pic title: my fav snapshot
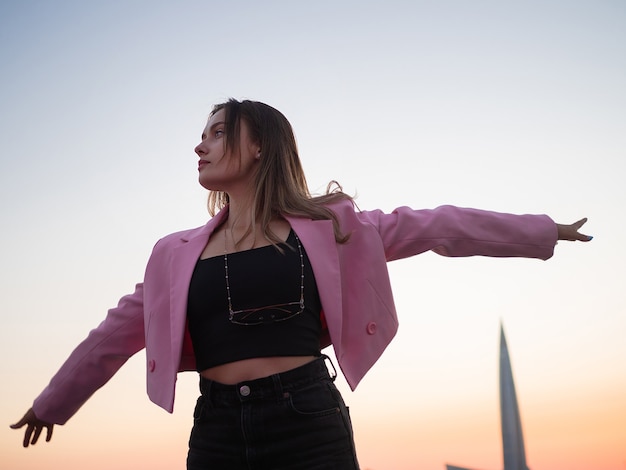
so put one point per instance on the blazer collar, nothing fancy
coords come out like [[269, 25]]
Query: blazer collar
[[207, 229], [183, 261], [318, 239]]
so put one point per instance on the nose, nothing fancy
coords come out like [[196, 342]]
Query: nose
[[200, 150]]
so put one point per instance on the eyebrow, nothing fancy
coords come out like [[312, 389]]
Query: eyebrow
[[213, 126]]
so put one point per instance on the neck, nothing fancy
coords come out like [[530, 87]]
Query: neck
[[239, 215], [241, 229]]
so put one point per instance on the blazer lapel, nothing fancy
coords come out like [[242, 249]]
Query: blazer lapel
[[318, 239], [183, 262]]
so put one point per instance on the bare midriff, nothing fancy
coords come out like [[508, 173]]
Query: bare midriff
[[255, 368]]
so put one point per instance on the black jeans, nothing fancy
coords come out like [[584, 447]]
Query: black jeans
[[295, 420]]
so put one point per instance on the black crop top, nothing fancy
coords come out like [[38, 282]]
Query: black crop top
[[257, 278]]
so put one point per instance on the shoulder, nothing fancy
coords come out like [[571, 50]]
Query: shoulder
[[183, 236], [347, 210], [340, 204], [175, 239]]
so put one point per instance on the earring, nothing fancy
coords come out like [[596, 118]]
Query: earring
[[258, 155]]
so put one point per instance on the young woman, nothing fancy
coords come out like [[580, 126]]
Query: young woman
[[250, 300]]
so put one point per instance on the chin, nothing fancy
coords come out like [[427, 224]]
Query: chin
[[210, 185]]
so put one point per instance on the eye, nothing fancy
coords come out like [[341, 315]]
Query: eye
[[219, 133]]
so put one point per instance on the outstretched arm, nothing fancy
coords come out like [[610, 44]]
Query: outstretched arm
[[570, 232], [34, 427], [94, 361]]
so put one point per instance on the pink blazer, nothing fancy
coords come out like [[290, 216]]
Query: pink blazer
[[352, 280]]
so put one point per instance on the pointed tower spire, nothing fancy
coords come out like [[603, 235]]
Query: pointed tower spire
[[512, 438]]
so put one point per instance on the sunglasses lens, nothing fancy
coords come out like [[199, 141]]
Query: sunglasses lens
[[266, 315]]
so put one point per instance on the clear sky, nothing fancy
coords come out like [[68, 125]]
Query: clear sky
[[511, 106]]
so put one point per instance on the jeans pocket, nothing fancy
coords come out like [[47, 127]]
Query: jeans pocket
[[315, 400], [199, 408]]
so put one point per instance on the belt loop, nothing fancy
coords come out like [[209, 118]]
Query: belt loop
[[278, 385], [333, 375], [205, 389]]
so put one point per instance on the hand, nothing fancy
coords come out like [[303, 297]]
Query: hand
[[570, 232], [35, 425]]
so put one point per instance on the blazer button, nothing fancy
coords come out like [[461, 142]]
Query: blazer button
[[371, 328], [151, 365]]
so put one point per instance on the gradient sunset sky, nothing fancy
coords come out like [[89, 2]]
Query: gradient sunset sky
[[510, 106]]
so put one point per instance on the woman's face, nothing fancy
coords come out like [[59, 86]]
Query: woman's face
[[221, 169]]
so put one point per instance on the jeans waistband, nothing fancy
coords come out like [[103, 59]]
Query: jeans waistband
[[275, 385]]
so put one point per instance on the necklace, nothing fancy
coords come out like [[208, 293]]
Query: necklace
[[268, 313]]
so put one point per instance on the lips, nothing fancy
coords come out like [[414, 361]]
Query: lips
[[202, 163]]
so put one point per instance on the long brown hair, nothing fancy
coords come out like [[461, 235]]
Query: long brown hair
[[280, 185]]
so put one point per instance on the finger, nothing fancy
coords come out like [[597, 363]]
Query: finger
[[25, 419], [38, 430], [580, 236], [580, 223], [27, 434], [49, 432], [20, 423]]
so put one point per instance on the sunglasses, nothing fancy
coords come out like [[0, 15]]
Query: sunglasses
[[269, 313]]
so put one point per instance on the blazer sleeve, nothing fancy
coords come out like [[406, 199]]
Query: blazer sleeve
[[454, 231], [94, 361]]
